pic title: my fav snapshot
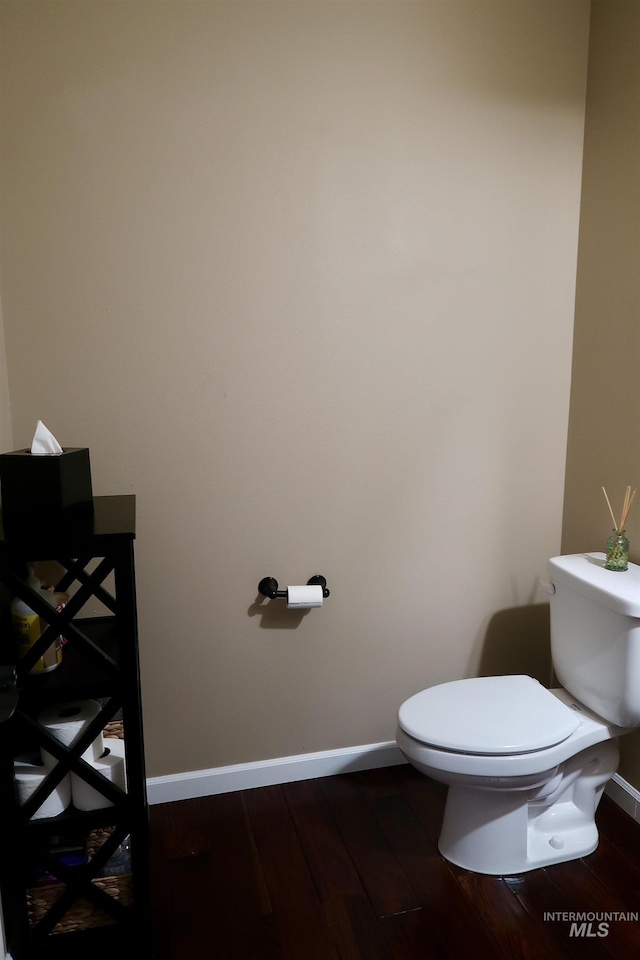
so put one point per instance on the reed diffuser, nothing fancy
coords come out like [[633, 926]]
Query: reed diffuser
[[618, 543]]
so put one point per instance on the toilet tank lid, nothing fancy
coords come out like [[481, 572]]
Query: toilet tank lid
[[585, 573], [488, 715]]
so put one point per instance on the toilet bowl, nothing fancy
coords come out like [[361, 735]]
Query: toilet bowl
[[505, 809], [526, 766]]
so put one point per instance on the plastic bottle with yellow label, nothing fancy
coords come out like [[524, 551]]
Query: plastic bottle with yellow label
[[29, 627]]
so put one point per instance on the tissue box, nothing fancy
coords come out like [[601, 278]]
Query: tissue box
[[37, 487]]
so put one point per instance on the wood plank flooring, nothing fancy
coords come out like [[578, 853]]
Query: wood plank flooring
[[347, 868]]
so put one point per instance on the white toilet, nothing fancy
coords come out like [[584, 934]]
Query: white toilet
[[526, 766]]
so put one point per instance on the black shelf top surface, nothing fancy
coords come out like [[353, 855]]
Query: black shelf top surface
[[112, 519]]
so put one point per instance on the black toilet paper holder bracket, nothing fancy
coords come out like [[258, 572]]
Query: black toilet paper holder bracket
[[268, 587]]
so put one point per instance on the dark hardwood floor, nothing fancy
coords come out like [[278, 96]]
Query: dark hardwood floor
[[347, 868]]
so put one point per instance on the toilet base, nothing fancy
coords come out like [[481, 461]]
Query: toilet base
[[504, 832]]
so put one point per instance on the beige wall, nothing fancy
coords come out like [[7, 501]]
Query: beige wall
[[6, 436], [604, 431], [301, 275]]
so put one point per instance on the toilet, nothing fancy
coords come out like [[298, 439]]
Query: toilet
[[526, 766]]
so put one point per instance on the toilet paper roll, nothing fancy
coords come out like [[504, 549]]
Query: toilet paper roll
[[28, 778], [112, 767], [66, 721], [302, 597], [115, 747]]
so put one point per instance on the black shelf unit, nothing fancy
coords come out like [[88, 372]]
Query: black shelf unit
[[82, 910]]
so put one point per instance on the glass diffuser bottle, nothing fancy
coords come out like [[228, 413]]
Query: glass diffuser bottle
[[617, 552], [617, 558]]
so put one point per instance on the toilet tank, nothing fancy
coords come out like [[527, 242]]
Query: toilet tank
[[595, 635]]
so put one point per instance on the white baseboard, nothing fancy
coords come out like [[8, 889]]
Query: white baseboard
[[308, 766], [264, 773], [625, 795]]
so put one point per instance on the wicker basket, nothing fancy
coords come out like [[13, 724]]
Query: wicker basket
[[114, 729], [82, 914]]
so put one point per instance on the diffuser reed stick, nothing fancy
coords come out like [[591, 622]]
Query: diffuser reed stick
[[613, 519], [626, 507]]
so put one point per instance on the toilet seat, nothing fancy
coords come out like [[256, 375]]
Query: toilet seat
[[488, 716]]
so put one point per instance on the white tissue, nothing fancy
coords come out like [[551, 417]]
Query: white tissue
[[112, 767], [44, 441], [28, 778], [305, 596], [66, 721]]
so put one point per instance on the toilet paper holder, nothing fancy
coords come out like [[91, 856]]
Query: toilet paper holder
[[268, 587]]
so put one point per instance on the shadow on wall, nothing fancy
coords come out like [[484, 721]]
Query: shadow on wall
[[517, 641], [274, 614]]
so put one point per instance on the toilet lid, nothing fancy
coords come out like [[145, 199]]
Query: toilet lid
[[488, 715]]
